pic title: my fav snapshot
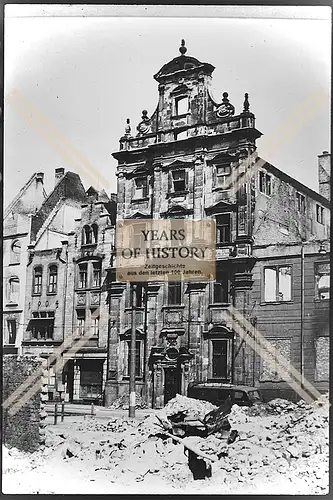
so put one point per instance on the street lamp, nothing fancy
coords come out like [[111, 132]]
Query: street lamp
[[132, 353]]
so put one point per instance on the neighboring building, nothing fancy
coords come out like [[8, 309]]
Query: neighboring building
[[16, 238], [46, 267], [180, 164], [71, 244], [90, 247]]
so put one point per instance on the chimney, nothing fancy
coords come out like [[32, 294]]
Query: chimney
[[58, 174], [40, 177], [324, 174]]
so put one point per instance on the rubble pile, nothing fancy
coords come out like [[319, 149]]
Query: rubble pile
[[295, 445], [291, 446], [117, 424], [195, 407], [122, 403]]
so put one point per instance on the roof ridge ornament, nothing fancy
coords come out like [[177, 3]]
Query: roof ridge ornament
[[225, 108], [128, 127], [182, 48], [246, 102]]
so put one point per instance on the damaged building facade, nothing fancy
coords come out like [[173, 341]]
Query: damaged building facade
[[190, 160]]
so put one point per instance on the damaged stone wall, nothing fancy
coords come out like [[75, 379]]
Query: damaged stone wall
[[23, 430]]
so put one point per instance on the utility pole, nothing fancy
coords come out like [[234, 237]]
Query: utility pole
[[132, 354]]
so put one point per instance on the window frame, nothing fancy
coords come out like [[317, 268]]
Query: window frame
[[81, 322], [218, 218], [220, 283], [320, 217], [10, 330], [228, 358], [265, 181], [143, 190], [173, 180], [182, 98], [37, 287], [177, 300], [52, 284], [15, 257], [317, 277], [82, 269], [13, 292], [300, 203], [96, 267], [221, 178], [277, 267]]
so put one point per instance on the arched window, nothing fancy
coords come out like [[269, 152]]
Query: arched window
[[37, 280], [14, 290], [94, 228], [15, 254], [86, 235], [53, 278]]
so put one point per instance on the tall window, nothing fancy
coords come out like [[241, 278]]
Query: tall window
[[141, 188], [86, 235], [139, 290], [81, 321], [178, 180], [11, 325], [322, 280], [37, 280], [277, 283], [300, 203], [83, 274], [94, 235], [265, 183], [53, 278], [174, 293], [220, 359], [221, 290], [182, 105], [320, 214], [96, 274], [223, 175], [223, 228], [15, 254], [95, 322], [14, 290], [137, 358]]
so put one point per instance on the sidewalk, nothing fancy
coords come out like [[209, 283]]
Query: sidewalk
[[72, 409]]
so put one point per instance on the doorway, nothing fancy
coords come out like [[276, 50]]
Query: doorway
[[171, 382]]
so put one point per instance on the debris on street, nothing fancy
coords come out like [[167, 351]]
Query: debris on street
[[285, 452]]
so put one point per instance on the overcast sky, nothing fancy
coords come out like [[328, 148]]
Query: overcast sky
[[87, 69]]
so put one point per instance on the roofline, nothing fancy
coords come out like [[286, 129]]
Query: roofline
[[301, 187], [21, 192]]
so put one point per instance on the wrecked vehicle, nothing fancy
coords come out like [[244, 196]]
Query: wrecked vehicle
[[217, 393]]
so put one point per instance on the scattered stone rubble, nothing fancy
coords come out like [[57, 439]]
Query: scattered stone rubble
[[291, 445], [122, 403]]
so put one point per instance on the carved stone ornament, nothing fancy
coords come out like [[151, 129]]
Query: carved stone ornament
[[226, 108], [144, 126]]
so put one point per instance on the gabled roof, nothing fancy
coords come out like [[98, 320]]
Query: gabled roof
[[298, 185], [21, 192], [69, 187]]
